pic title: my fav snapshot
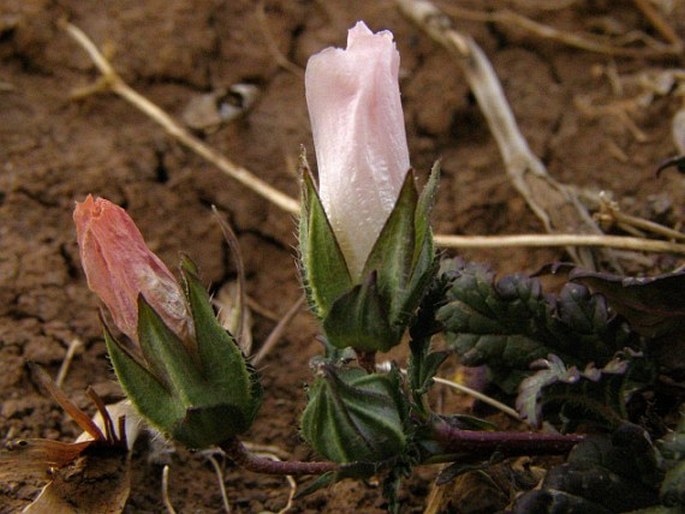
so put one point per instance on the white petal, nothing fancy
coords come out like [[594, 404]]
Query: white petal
[[361, 146]]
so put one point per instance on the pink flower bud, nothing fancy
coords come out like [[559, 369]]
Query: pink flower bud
[[354, 105], [119, 266]]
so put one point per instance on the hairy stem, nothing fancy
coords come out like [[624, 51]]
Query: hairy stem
[[509, 444], [237, 452]]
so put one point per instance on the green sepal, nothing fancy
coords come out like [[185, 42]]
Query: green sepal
[[404, 255], [353, 416], [166, 355], [199, 393], [393, 252], [324, 270], [222, 363], [210, 425], [374, 315], [146, 392], [214, 388], [424, 263], [359, 319]]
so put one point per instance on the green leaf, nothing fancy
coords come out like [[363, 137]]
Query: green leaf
[[672, 448], [601, 475], [509, 323], [324, 270], [653, 306], [592, 395]]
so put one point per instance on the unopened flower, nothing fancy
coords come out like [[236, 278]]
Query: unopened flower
[[187, 376], [365, 240], [119, 266], [353, 97]]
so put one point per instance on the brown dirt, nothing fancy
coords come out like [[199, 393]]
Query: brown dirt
[[54, 151]]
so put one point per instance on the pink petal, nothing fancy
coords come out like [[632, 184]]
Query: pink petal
[[119, 266], [358, 127]]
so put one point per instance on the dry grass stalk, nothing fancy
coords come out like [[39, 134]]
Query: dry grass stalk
[[587, 42], [74, 345], [165, 491], [553, 203], [638, 244], [113, 82], [522, 164], [222, 486]]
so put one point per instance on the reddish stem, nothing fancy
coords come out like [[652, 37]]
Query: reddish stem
[[510, 444], [237, 452]]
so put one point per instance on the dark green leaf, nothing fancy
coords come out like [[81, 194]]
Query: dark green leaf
[[604, 475], [653, 306], [594, 395], [508, 324], [672, 448]]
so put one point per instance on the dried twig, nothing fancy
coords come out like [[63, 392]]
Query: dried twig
[[585, 42], [277, 332], [660, 24], [74, 345], [479, 396], [267, 448], [113, 82], [220, 479], [387, 365], [165, 491], [271, 452], [619, 109], [610, 212], [565, 240], [553, 203]]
